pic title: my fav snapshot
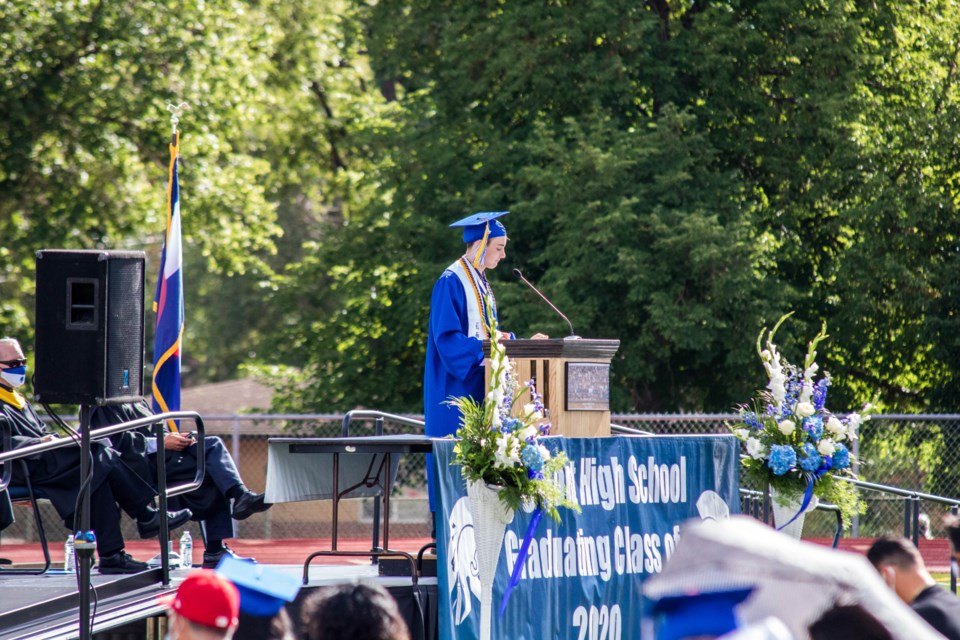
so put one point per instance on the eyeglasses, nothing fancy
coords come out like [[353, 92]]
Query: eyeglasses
[[13, 364]]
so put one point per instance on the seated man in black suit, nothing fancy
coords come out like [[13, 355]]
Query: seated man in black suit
[[222, 482], [57, 472]]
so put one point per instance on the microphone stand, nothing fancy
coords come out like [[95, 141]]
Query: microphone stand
[[519, 275]]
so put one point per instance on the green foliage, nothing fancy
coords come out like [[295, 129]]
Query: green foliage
[[678, 175], [85, 134]]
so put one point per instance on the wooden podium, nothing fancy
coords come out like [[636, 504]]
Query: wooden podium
[[572, 375]]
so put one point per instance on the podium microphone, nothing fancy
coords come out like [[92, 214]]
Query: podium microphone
[[519, 275]]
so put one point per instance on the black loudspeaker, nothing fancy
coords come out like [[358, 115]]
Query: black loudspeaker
[[89, 339]]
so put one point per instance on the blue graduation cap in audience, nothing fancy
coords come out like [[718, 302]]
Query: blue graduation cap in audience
[[709, 613], [263, 591], [482, 226]]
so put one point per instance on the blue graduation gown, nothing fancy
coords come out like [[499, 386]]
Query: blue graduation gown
[[454, 362]]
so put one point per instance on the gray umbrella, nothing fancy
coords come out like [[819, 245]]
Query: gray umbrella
[[794, 581]]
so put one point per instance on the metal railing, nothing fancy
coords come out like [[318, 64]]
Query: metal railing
[[10, 454]]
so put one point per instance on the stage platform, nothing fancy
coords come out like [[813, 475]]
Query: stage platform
[[45, 607]]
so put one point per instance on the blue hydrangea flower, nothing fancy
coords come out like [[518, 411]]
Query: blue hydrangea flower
[[820, 393], [810, 459], [782, 459], [814, 426], [841, 457], [531, 458]]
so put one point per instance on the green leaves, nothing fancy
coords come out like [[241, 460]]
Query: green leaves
[[678, 177]]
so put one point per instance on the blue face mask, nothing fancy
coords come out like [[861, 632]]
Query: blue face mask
[[15, 377]]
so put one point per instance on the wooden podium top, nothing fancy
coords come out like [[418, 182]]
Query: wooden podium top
[[559, 348]]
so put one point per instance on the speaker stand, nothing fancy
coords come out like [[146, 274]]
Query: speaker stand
[[85, 548]]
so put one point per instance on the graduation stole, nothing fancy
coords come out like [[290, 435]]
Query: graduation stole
[[476, 288], [12, 398]]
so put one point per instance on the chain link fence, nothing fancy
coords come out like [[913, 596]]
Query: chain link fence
[[912, 452]]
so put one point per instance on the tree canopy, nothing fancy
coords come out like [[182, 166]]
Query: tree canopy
[[679, 175]]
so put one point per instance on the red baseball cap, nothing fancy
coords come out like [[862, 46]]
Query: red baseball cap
[[206, 598]]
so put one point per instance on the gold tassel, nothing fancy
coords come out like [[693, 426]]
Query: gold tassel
[[483, 247]]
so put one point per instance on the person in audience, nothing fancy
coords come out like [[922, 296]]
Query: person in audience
[[206, 606], [844, 622], [901, 566], [706, 614], [264, 592], [211, 503], [360, 611], [57, 472]]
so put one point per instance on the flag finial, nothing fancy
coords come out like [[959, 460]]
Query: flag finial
[[175, 111]]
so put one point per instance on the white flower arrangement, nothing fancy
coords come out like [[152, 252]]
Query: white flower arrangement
[[792, 441]]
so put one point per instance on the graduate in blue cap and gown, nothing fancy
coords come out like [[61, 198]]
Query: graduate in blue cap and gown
[[264, 594], [458, 310]]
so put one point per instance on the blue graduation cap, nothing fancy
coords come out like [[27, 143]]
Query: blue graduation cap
[[263, 591], [699, 614], [482, 226]]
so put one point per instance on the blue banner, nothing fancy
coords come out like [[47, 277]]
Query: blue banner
[[582, 578]]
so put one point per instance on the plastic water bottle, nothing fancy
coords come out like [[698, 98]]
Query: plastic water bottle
[[69, 560], [186, 551]]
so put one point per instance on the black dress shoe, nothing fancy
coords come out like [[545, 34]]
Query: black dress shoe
[[150, 527], [248, 504], [212, 559], [121, 562]]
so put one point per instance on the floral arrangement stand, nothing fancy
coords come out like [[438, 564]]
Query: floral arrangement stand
[[505, 465], [787, 515], [490, 519], [792, 442]]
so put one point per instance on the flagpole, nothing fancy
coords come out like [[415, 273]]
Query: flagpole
[[164, 534]]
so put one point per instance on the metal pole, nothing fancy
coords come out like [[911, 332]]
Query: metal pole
[[916, 520], [855, 521], [953, 561], [378, 431], [164, 535], [84, 548], [906, 517]]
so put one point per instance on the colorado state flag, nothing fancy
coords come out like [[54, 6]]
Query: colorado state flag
[[168, 303]]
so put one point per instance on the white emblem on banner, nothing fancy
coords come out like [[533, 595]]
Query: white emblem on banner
[[711, 506], [463, 574]]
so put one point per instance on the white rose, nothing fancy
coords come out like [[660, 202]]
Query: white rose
[[754, 448], [805, 410], [835, 426], [544, 452], [786, 427], [826, 447], [741, 433]]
